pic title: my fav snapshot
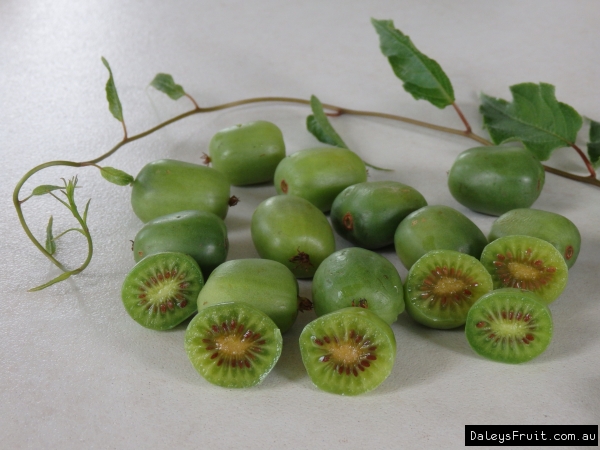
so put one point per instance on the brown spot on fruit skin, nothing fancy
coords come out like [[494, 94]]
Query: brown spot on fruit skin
[[348, 221], [284, 186], [569, 252], [302, 261]]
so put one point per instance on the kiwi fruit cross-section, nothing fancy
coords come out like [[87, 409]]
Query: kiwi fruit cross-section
[[160, 291], [233, 345], [349, 351], [509, 325], [528, 263], [441, 287]]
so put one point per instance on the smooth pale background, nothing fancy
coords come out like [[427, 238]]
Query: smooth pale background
[[77, 372]]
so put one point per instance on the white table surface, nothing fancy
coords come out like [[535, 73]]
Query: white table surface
[[77, 372]]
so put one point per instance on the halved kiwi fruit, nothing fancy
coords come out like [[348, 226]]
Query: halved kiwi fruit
[[509, 325], [526, 262], [233, 345], [441, 287], [349, 351], [160, 291]]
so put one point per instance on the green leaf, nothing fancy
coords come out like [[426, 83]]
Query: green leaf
[[63, 276], [594, 144], [534, 118], [45, 188], [422, 76], [318, 124], [116, 176], [114, 104], [165, 83], [50, 244]]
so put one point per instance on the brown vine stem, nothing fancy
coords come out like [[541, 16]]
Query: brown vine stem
[[587, 162], [462, 117]]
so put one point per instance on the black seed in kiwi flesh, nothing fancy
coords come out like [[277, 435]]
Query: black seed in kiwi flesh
[[233, 345], [160, 291]]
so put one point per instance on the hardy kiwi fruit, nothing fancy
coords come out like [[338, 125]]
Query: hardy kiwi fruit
[[546, 225], [233, 345], [509, 325], [437, 227], [160, 291], [358, 277], [441, 287], [265, 284], [349, 351], [527, 263]]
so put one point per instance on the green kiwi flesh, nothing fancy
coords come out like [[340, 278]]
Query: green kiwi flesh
[[526, 262], [348, 352], [441, 287], [233, 345], [160, 291], [509, 325]]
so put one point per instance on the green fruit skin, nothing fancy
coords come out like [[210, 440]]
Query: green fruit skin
[[437, 227], [367, 214], [168, 186], [319, 174], [546, 225], [349, 276], [200, 234], [491, 303], [284, 228], [247, 153], [494, 180], [264, 284], [372, 328]]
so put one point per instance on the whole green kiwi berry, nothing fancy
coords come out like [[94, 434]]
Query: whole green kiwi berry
[[319, 174], [358, 277], [262, 283], [437, 227], [168, 186], [247, 153], [546, 225], [292, 231], [494, 180], [367, 214], [200, 234]]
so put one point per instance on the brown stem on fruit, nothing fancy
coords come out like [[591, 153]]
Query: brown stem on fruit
[[304, 304], [462, 117], [586, 161]]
